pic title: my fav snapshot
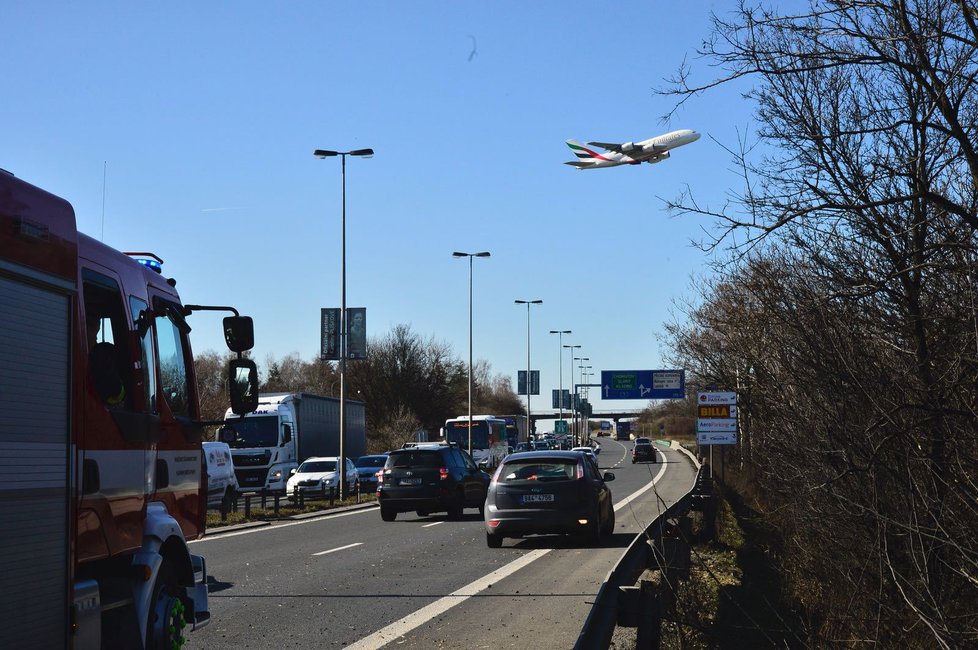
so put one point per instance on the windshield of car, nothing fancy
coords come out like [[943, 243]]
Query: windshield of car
[[415, 459], [313, 466], [371, 461], [532, 469]]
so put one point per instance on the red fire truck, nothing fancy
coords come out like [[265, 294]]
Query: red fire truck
[[101, 480]]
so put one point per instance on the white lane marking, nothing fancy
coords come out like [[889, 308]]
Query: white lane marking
[[634, 495], [413, 621], [434, 524], [410, 622], [341, 548], [267, 529]]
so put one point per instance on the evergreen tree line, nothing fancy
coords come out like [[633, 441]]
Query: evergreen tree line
[[407, 383], [844, 313]]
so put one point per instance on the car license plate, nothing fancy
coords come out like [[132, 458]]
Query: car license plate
[[410, 481], [538, 498]]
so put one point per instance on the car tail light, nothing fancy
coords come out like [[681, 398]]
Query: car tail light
[[443, 473], [580, 470], [493, 523]]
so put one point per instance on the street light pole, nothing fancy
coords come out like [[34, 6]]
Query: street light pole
[[570, 384], [560, 369], [470, 256], [580, 418], [529, 419], [327, 153]]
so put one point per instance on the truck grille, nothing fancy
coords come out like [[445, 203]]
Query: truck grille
[[251, 478], [251, 460]]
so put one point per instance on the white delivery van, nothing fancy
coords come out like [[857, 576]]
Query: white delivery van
[[222, 484]]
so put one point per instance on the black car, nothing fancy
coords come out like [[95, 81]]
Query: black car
[[426, 478], [643, 450], [545, 492]]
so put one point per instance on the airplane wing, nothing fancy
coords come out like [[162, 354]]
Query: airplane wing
[[627, 148], [610, 146], [578, 164]]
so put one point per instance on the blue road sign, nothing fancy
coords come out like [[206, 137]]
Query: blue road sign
[[643, 384]]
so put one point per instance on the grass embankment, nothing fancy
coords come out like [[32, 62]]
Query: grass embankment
[[286, 509], [733, 598]]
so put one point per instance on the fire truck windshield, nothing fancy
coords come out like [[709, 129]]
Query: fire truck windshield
[[253, 432]]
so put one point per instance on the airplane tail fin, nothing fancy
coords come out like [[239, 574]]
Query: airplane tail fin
[[585, 156]]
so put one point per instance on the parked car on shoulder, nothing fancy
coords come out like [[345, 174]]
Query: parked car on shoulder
[[552, 492], [367, 469], [643, 450], [430, 477], [318, 475]]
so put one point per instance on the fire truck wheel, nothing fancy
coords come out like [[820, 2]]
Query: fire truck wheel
[[167, 620]]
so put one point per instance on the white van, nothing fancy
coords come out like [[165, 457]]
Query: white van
[[222, 484]]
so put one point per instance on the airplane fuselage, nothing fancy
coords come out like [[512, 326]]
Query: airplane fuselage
[[652, 150]]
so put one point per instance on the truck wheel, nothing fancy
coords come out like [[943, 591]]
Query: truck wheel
[[166, 621], [387, 514]]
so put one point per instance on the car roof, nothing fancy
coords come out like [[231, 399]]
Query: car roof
[[315, 458]]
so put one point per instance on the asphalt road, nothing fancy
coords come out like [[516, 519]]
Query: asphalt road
[[352, 580]]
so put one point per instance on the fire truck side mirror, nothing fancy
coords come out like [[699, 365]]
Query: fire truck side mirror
[[243, 385], [239, 333]]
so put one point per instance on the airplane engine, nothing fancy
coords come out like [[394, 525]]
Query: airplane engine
[[662, 156], [628, 146]]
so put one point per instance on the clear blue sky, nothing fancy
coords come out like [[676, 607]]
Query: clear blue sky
[[203, 117]]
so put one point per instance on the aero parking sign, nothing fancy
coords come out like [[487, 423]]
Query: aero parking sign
[[716, 421]]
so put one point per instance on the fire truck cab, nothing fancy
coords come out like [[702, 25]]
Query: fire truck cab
[[101, 472]]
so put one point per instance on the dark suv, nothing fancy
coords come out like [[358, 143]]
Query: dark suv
[[427, 478]]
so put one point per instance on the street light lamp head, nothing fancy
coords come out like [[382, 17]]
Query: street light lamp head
[[482, 254], [561, 332], [326, 153], [528, 302]]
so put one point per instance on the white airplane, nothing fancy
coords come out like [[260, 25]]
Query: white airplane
[[631, 153]]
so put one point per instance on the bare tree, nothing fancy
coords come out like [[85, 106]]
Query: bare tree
[[857, 329]]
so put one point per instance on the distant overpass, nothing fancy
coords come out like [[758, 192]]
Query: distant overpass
[[615, 416]]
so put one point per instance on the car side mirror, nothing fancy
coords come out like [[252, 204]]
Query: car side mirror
[[292, 471], [608, 476]]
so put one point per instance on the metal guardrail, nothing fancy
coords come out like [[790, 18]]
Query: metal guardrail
[[610, 604]]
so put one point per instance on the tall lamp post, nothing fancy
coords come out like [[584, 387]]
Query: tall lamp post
[[570, 383], [529, 420], [582, 419], [560, 369], [328, 153], [470, 256]]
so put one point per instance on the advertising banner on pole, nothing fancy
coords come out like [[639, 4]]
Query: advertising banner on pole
[[330, 334], [356, 347]]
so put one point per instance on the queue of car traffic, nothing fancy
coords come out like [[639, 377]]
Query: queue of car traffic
[[543, 487]]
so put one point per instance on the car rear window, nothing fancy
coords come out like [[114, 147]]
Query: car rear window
[[415, 459], [533, 469], [371, 461]]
